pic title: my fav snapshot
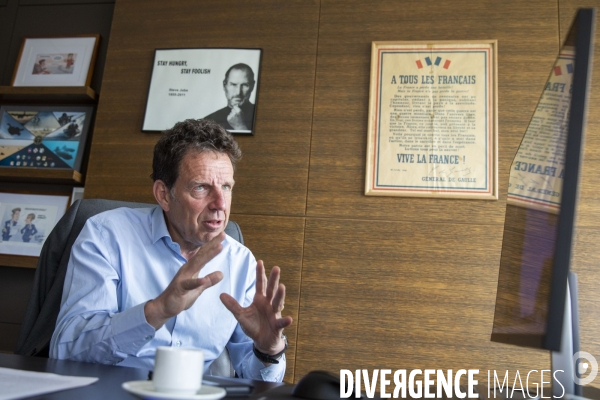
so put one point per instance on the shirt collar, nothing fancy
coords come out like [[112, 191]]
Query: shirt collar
[[159, 225], [160, 231]]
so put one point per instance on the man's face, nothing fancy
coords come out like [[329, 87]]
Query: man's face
[[200, 199], [16, 215], [237, 88]]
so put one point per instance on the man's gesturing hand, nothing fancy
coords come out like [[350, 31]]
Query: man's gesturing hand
[[262, 319], [185, 287]]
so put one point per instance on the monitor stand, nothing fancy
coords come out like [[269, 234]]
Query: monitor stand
[[563, 365], [563, 360]]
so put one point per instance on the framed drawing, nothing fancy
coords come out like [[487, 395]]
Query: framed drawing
[[433, 120], [49, 137], [56, 61], [217, 84], [27, 220]]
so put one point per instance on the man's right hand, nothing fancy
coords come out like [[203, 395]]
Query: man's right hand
[[185, 287]]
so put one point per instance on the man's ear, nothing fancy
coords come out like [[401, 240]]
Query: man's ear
[[162, 194]]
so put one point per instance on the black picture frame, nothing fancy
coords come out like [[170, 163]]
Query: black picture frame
[[201, 83]]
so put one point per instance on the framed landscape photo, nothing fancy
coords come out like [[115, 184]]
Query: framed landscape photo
[[433, 120], [48, 137], [56, 61], [27, 220], [217, 84]]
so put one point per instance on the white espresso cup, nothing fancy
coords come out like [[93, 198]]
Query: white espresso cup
[[178, 370]]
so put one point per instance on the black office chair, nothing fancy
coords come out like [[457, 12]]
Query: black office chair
[[44, 303]]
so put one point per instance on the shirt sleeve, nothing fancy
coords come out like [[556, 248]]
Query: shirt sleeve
[[247, 365], [90, 325]]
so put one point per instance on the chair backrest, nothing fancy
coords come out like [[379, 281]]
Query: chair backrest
[[44, 303]]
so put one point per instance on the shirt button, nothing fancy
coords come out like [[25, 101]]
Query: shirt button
[[178, 343], [148, 337]]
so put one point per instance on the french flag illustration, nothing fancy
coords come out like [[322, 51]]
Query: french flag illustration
[[558, 70], [436, 62]]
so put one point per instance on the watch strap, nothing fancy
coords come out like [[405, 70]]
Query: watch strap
[[270, 358]]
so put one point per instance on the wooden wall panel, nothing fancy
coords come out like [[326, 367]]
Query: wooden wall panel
[[401, 295], [372, 281], [527, 47], [272, 176], [585, 265], [278, 241]]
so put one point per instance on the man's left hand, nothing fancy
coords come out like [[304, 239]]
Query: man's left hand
[[262, 320]]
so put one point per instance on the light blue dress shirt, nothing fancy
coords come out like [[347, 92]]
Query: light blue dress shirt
[[124, 258]]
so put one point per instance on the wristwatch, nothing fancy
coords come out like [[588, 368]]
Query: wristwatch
[[271, 358]]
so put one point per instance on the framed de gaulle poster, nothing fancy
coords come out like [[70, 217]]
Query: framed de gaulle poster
[[433, 120]]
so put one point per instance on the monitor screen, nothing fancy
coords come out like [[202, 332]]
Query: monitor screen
[[540, 211]]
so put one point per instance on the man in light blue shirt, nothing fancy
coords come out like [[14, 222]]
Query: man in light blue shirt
[[169, 275]]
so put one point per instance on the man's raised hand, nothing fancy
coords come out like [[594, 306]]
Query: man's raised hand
[[262, 320], [185, 287]]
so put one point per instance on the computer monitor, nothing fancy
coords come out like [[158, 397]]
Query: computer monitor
[[536, 301]]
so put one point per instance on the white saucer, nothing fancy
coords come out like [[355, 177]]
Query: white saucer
[[146, 390]]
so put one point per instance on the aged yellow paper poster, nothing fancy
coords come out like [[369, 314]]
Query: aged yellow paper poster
[[536, 174], [432, 120]]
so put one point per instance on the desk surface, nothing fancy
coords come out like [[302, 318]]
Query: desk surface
[[111, 378], [107, 387]]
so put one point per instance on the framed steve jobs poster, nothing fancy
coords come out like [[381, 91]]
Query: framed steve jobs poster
[[217, 84], [432, 129]]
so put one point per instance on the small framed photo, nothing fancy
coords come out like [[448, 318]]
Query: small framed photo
[[56, 61], [27, 220], [216, 84], [49, 137]]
